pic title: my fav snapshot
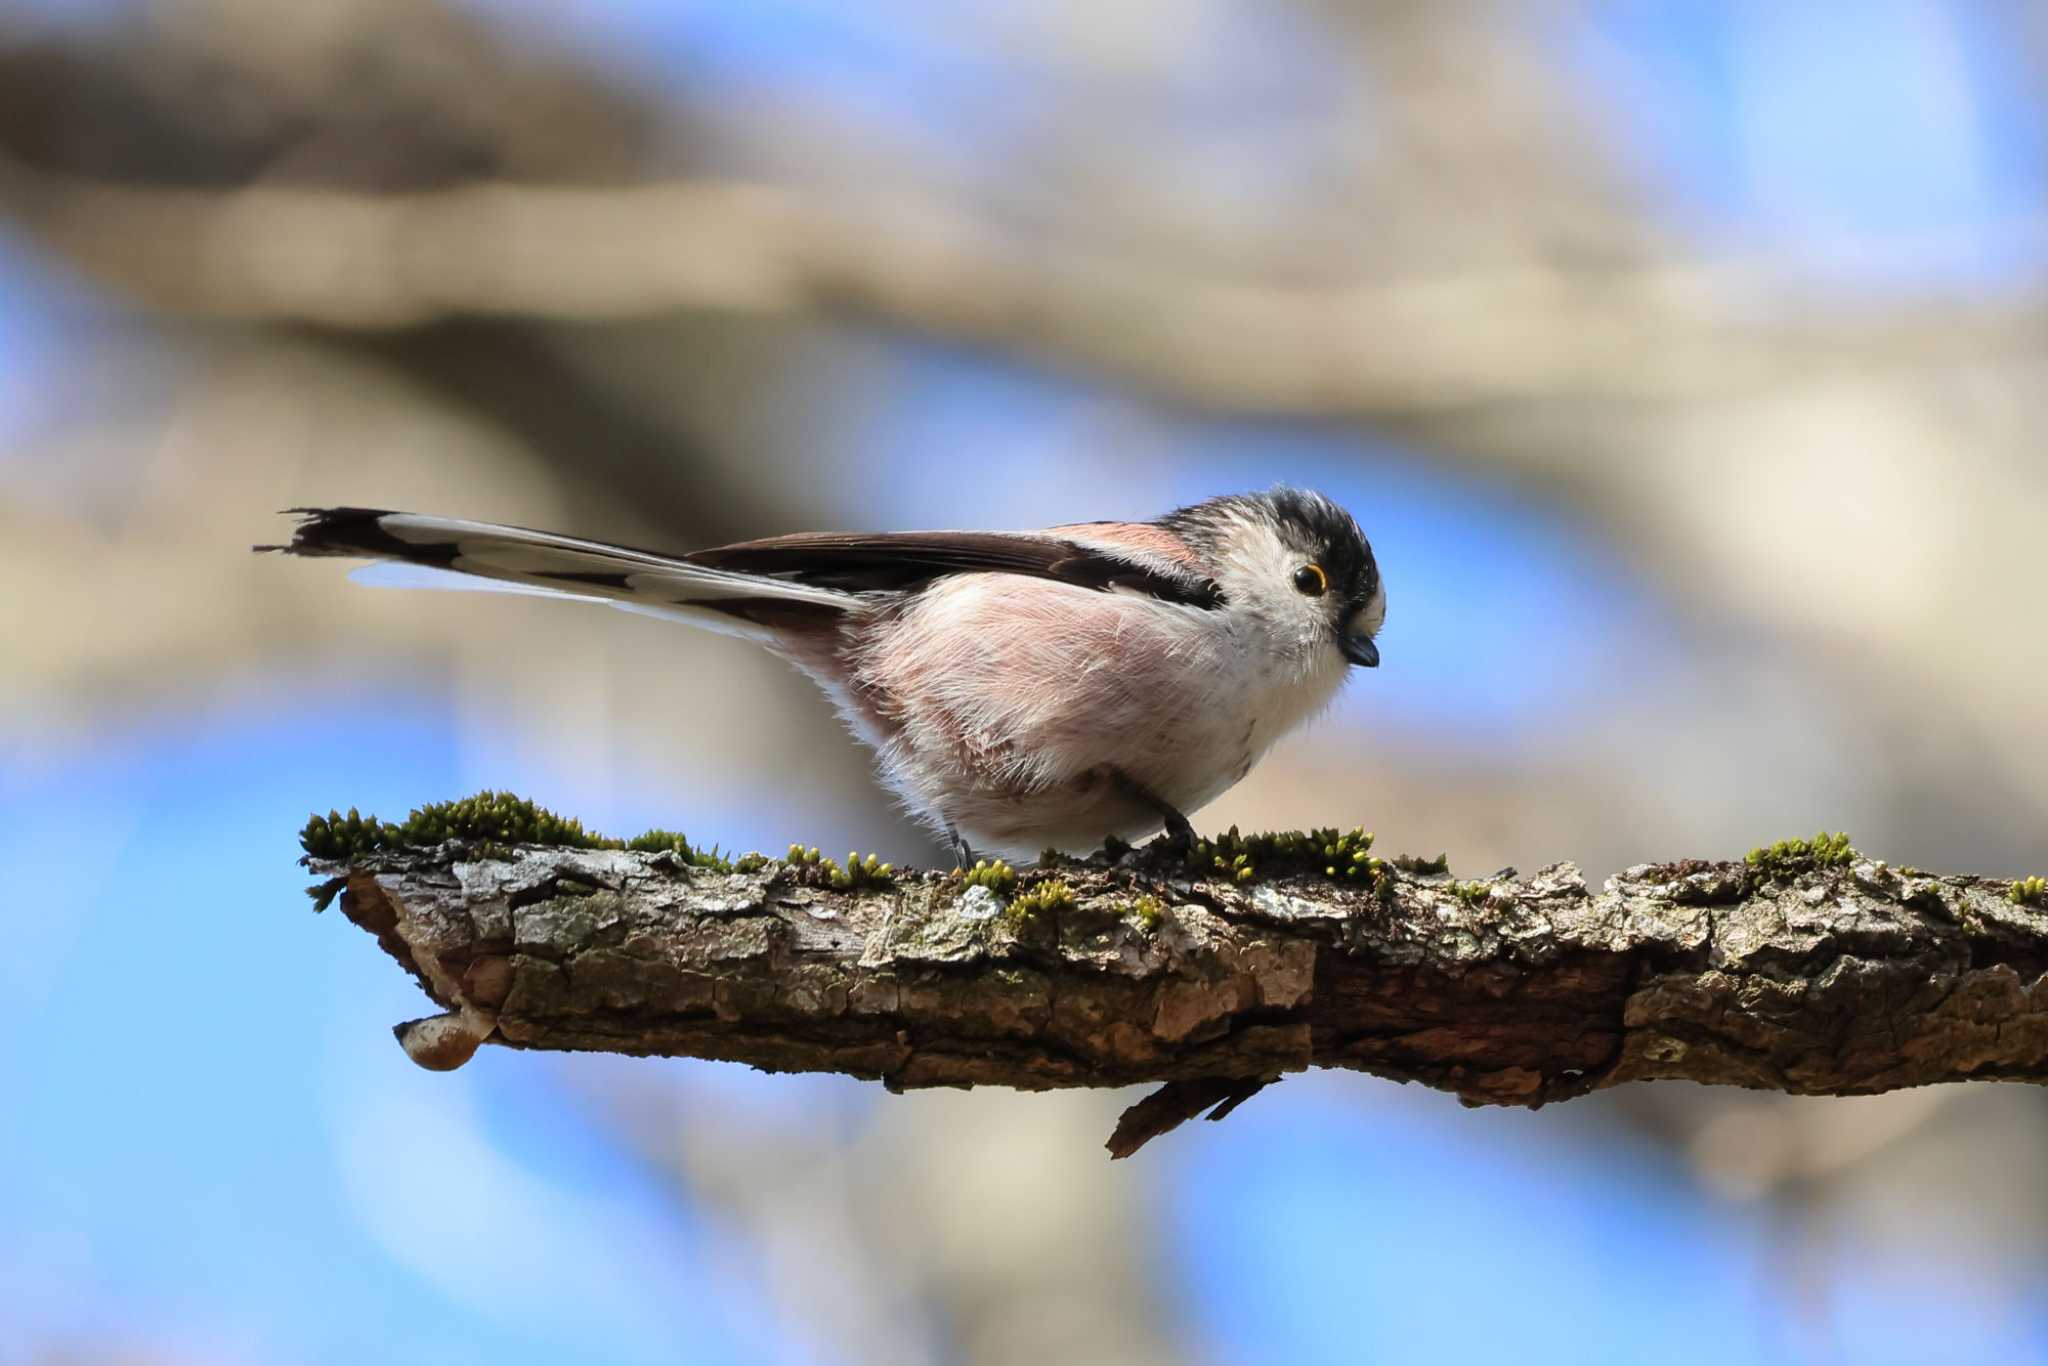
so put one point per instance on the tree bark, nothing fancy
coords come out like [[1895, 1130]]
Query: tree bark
[[1801, 977]]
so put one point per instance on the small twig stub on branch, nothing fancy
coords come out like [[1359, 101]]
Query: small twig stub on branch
[[1807, 969]]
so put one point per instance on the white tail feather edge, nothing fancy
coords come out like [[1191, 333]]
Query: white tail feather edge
[[504, 559]]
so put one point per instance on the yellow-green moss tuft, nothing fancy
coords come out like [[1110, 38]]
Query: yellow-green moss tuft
[[673, 842], [1795, 855], [2029, 891], [489, 820], [816, 869], [338, 837], [1471, 893], [486, 818], [1051, 895], [859, 872], [1342, 856], [998, 876]]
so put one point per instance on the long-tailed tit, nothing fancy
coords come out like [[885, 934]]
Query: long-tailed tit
[[1023, 690]]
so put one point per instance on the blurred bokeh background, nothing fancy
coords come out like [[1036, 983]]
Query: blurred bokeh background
[[1684, 360]]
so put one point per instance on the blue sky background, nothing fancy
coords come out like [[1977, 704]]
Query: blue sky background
[[208, 1125]]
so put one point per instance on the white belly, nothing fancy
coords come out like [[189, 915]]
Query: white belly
[[1007, 708]]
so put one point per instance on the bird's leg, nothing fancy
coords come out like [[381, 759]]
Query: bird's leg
[[961, 850], [1179, 836]]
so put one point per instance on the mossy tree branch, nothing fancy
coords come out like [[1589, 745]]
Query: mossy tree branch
[[1808, 969]]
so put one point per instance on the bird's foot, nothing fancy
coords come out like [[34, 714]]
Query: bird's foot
[[1179, 837], [963, 853]]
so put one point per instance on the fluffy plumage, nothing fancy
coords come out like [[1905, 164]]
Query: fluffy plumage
[[1022, 689]]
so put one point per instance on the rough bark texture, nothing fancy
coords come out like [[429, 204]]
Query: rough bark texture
[[1811, 979]]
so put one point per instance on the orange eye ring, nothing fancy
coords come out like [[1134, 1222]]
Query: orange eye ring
[[1311, 580]]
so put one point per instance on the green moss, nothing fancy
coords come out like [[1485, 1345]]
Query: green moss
[[858, 872], [672, 842], [1341, 856], [1787, 857], [1047, 896], [1472, 893], [335, 836], [2029, 891], [486, 818], [1423, 867], [498, 817], [998, 877], [812, 867], [1233, 868], [490, 821], [1147, 911]]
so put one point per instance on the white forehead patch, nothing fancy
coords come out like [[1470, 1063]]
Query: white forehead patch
[[1374, 614]]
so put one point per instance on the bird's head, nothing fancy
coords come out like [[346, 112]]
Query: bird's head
[[1295, 561]]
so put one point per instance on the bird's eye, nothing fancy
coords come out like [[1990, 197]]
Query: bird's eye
[[1311, 580]]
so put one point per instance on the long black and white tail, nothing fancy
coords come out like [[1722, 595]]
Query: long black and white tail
[[750, 605]]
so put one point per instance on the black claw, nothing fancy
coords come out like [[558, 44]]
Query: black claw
[[1179, 836]]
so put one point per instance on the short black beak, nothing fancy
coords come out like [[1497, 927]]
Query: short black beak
[[1360, 650]]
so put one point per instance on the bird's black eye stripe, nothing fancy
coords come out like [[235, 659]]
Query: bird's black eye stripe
[[1311, 579]]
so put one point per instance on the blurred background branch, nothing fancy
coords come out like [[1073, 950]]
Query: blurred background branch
[[1383, 348]]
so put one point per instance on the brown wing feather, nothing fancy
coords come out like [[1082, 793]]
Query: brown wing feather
[[905, 560]]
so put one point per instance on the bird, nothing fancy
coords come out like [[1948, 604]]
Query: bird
[[1022, 690]]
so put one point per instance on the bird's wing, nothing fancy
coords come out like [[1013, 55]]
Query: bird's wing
[[911, 559]]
